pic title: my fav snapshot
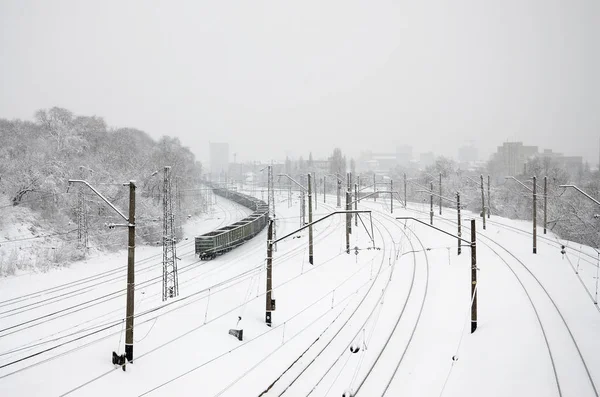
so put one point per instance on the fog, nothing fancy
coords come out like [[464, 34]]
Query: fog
[[283, 77]]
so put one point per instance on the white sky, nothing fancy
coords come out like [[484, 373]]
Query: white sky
[[271, 77]]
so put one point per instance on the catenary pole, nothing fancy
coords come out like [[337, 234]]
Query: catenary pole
[[440, 193], [391, 196], [458, 218], [269, 301], [482, 202], [489, 206], [356, 203], [310, 219], [130, 275], [545, 202], [348, 207], [473, 277], [534, 215], [431, 204], [405, 202]]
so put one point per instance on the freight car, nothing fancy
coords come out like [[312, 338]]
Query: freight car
[[217, 242]]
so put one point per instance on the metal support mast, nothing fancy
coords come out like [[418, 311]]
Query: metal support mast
[[170, 278]]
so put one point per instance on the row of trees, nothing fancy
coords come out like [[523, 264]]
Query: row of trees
[[40, 156]]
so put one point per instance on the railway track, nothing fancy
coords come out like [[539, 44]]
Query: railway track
[[344, 357], [546, 310]]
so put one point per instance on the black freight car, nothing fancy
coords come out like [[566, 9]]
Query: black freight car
[[219, 241]]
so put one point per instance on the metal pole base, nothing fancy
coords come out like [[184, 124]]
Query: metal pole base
[[473, 326], [129, 352], [310, 259], [535, 250], [268, 318]]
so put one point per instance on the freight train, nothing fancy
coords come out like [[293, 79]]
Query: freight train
[[217, 242]]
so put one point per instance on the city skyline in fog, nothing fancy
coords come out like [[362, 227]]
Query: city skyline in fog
[[277, 78]]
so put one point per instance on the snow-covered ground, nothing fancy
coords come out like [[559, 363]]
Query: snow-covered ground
[[402, 299]]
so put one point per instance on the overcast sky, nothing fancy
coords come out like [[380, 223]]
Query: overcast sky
[[271, 77]]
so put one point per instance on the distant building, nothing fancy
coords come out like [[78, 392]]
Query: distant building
[[321, 166], [382, 162], [512, 157], [219, 159], [572, 164]]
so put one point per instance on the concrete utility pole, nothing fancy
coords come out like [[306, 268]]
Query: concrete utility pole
[[356, 204], [473, 278], [391, 196], [339, 191], [316, 193], [310, 219], [534, 216], [324, 189], [271, 200], [348, 221], [440, 193], [489, 206], [130, 260], [130, 275], [431, 204], [270, 303], [349, 190], [458, 216], [405, 202], [482, 202], [374, 187], [302, 209], [545, 202]]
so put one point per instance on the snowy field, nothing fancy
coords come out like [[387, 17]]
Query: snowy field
[[402, 299]]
